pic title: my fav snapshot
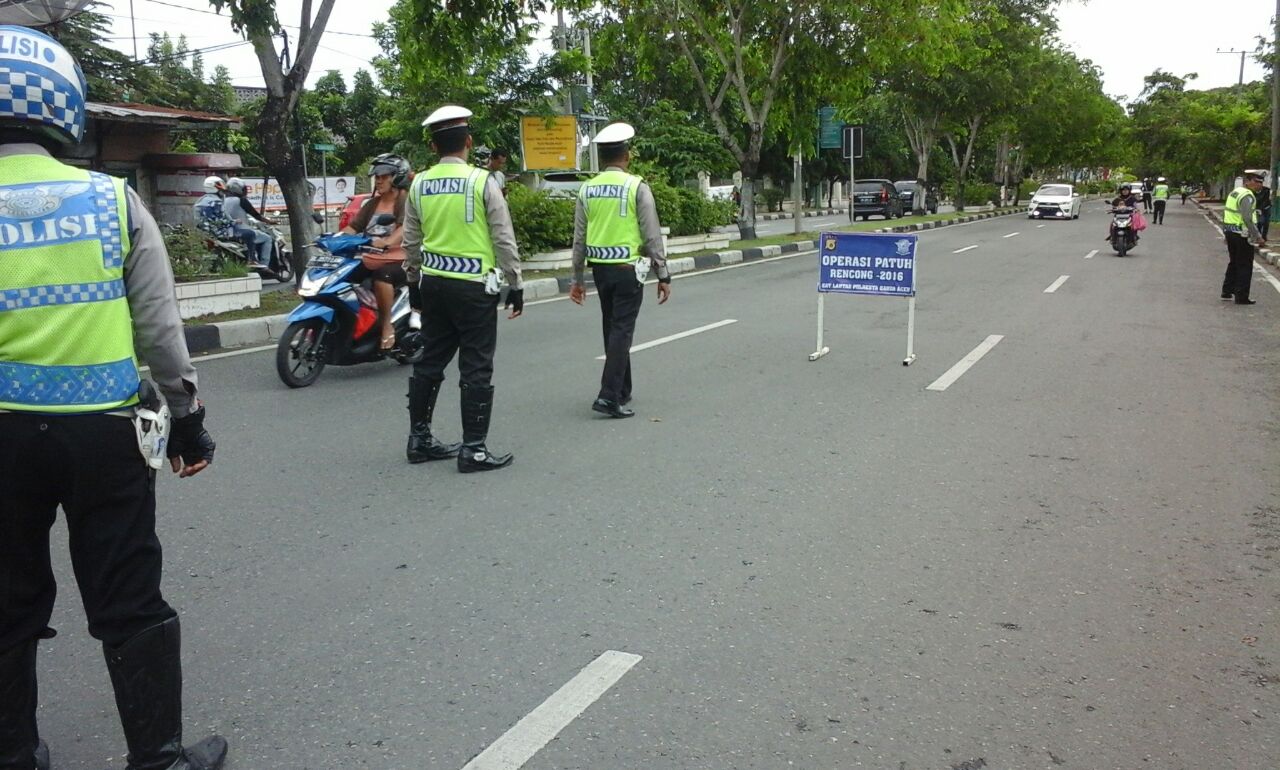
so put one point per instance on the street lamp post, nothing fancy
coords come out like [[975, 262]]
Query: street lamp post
[[1241, 54], [1275, 110]]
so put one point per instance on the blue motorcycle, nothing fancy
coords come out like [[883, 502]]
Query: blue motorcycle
[[337, 322]]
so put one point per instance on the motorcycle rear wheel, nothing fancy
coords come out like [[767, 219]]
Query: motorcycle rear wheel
[[300, 353]]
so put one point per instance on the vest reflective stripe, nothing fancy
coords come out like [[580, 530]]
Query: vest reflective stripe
[[1161, 192], [613, 228], [66, 334], [455, 227], [1231, 216]]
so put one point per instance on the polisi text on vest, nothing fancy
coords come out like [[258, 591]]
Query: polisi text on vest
[[37, 232]]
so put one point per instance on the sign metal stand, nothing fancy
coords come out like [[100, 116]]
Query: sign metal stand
[[872, 264]]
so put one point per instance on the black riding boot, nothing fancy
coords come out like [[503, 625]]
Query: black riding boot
[[20, 744], [422, 403], [146, 672], [477, 406]]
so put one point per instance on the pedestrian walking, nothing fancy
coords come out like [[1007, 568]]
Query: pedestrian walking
[[1239, 225], [1146, 195], [616, 231], [458, 240], [1160, 199], [86, 279]]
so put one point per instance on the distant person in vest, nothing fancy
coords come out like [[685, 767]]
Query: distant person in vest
[[1160, 199], [85, 278], [458, 237], [616, 231], [1240, 228]]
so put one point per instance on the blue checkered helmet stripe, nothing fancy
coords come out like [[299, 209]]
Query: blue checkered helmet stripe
[[464, 265], [34, 385], [40, 82], [64, 294]]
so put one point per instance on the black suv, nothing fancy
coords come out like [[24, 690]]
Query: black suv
[[907, 188], [876, 196]]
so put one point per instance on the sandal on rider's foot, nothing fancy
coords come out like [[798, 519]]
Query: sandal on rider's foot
[[388, 342]]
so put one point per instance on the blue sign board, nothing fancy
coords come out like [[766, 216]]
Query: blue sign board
[[864, 263]]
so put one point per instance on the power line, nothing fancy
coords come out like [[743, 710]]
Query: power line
[[215, 13]]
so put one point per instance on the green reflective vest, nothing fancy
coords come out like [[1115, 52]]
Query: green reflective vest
[[613, 229], [66, 335], [1231, 216], [455, 227], [1161, 193]]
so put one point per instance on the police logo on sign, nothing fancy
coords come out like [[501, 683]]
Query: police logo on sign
[[904, 247]]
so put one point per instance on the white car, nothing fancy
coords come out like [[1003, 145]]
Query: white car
[[1054, 201]]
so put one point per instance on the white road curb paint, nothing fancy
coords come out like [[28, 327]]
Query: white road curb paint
[[963, 365], [1010, 235], [966, 248], [1271, 279], [1056, 284], [1091, 254], [1039, 226], [527, 737], [680, 336]]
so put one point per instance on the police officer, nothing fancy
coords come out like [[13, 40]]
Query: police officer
[[1160, 196], [458, 236], [1262, 203], [616, 231], [85, 276], [1239, 225]]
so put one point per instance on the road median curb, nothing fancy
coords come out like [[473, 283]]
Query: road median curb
[[204, 338]]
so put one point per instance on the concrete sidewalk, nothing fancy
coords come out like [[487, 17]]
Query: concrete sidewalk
[[265, 330]]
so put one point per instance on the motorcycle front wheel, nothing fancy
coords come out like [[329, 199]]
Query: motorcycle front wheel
[[300, 353], [284, 268]]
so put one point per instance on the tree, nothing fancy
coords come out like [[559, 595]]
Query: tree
[[275, 128], [110, 75]]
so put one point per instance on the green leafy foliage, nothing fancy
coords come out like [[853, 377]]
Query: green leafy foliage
[[192, 261], [771, 197], [542, 223]]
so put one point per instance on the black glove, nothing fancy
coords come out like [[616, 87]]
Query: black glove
[[189, 440], [415, 296], [515, 300]]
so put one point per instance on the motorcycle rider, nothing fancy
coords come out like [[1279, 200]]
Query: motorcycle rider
[[390, 187], [1126, 199], [209, 215], [257, 242]]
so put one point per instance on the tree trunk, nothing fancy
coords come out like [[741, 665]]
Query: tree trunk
[[962, 163], [280, 157], [922, 135], [747, 213]]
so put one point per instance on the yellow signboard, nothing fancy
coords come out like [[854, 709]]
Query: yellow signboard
[[549, 146]]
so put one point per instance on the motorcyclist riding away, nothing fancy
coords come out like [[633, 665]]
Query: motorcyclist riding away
[[209, 215], [390, 187], [258, 242]]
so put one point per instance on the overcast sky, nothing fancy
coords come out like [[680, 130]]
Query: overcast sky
[[1127, 38]]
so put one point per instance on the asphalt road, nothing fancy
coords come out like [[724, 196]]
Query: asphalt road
[[784, 226], [1065, 559]]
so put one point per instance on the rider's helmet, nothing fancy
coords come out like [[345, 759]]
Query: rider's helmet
[[42, 88], [392, 165], [235, 185], [213, 184], [1161, 179], [481, 155]]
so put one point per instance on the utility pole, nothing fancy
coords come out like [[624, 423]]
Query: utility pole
[[590, 106], [1275, 111], [1241, 54], [133, 21], [562, 45], [798, 190]]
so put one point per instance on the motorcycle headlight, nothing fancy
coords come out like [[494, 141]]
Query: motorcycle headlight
[[312, 286]]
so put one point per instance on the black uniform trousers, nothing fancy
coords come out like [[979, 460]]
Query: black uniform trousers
[[620, 296], [1146, 201], [1240, 267], [1158, 216], [91, 466], [1264, 221], [458, 317]]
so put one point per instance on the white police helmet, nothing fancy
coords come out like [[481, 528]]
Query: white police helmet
[[615, 133], [235, 185], [212, 184], [450, 113], [1161, 179], [41, 85]]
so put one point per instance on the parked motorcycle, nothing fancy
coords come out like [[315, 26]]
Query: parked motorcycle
[[281, 265], [1123, 235], [337, 322]]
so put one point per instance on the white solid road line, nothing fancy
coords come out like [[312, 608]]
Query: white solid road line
[[527, 737], [966, 248], [1091, 254], [680, 336], [1010, 235], [1271, 279], [1056, 284], [954, 373]]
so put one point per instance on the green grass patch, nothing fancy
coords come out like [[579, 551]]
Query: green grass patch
[[273, 303]]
